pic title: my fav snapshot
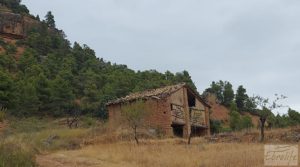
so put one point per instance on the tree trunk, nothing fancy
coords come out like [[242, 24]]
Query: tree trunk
[[262, 129], [189, 139], [135, 135]]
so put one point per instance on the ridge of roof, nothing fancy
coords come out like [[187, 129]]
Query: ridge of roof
[[157, 93]]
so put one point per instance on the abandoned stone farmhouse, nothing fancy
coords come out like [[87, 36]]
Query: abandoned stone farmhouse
[[177, 110]]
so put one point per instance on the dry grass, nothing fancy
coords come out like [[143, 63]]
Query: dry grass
[[159, 153], [114, 149], [101, 147]]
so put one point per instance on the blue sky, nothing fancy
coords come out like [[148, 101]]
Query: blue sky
[[252, 43]]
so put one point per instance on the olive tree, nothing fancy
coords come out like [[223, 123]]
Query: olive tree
[[265, 110], [134, 114]]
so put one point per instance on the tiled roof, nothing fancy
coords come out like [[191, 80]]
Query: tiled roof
[[153, 93]]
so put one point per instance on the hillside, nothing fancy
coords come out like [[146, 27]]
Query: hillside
[[221, 113], [43, 74]]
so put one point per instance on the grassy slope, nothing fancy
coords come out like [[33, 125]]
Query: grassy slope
[[220, 112]]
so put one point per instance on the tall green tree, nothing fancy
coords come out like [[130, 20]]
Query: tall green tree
[[223, 91], [28, 102], [228, 94], [62, 96], [6, 89], [294, 117], [28, 59], [43, 91], [49, 19], [241, 98]]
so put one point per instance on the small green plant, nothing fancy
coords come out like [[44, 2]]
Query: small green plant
[[2, 43], [88, 122], [2, 114], [11, 49]]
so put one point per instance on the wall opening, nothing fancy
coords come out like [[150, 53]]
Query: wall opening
[[191, 99], [198, 131], [177, 130]]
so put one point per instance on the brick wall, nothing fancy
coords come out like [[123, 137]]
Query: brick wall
[[160, 113]]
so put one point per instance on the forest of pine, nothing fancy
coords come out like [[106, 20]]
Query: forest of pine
[[53, 112], [53, 77]]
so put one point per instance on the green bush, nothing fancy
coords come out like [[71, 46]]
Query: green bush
[[88, 122], [215, 126], [246, 122], [11, 49], [234, 120], [2, 43], [15, 155], [238, 122]]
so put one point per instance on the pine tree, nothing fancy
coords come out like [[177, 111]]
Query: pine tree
[[43, 93], [241, 98], [28, 102], [6, 89], [228, 94], [50, 20], [61, 96]]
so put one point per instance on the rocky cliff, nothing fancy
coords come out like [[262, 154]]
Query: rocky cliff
[[15, 26]]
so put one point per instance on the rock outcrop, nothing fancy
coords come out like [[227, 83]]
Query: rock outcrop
[[15, 26]]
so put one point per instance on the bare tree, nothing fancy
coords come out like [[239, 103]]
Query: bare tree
[[73, 116], [266, 110], [134, 113]]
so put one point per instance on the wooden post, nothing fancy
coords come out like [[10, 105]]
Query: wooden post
[[187, 126]]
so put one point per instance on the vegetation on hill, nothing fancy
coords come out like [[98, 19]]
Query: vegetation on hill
[[53, 77], [15, 6], [240, 102]]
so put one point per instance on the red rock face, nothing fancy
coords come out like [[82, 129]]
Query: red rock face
[[15, 26]]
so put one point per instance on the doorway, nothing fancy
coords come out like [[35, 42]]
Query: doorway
[[177, 130]]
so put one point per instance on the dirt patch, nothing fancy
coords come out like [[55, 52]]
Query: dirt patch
[[218, 111], [3, 126], [221, 113]]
